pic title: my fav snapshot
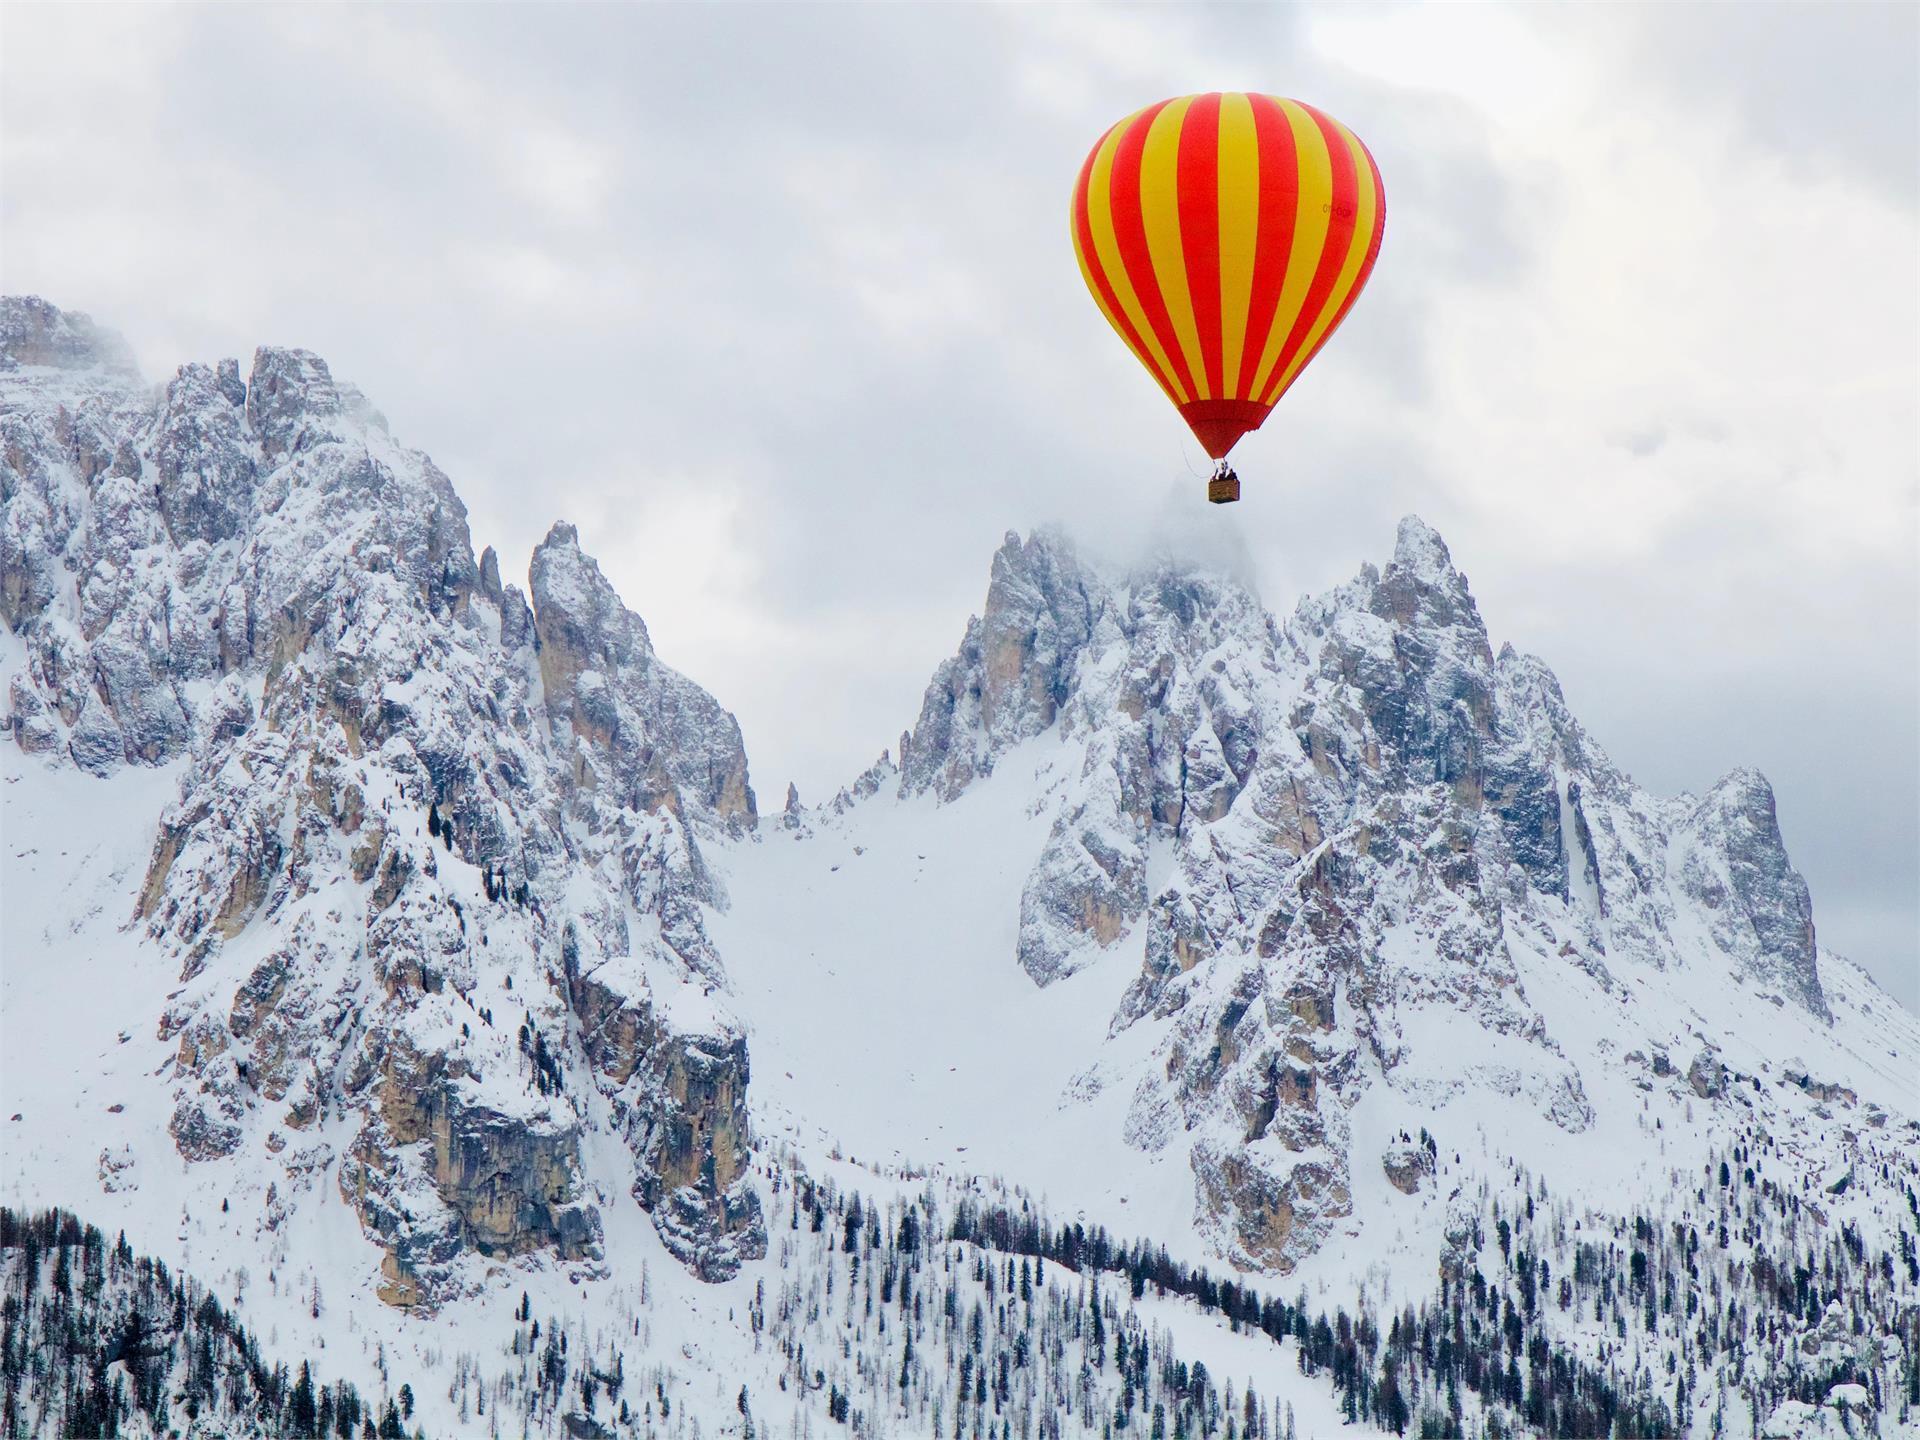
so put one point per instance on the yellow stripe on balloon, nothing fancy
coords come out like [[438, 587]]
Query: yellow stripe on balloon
[[1239, 230], [1107, 249], [1160, 213], [1311, 217], [1367, 207]]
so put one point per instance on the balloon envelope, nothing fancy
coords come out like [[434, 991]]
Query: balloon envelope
[[1225, 237]]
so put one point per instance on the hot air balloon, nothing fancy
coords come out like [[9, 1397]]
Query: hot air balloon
[[1225, 237]]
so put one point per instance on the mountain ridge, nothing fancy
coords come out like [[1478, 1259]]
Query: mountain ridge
[[1299, 771], [369, 695], [449, 901]]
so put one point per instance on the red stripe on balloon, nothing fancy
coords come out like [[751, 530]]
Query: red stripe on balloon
[[1199, 187], [1333, 254], [1130, 230], [1279, 197]]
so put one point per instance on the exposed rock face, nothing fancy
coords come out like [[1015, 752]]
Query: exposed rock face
[[657, 736], [508, 1187], [680, 1098], [32, 332], [1737, 867], [1359, 811], [1408, 1167], [409, 801], [1012, 672], [1795, 1073], [1706, 1076]]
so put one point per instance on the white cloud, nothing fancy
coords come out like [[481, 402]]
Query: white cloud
[[1492, 59]]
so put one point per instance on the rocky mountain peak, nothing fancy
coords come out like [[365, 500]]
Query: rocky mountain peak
[[33, 332], [577, 608], [1758, 904], [208, 466], [1530, 676], [650, 733], [1014, 667], [382, 811], [290, 393], [1422, 591], [1419, 551], [490, 574], [1429, 600], [1364, 809]]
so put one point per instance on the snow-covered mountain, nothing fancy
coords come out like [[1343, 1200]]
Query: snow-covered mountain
[[1347, 850], [428, 838], [386, 945]]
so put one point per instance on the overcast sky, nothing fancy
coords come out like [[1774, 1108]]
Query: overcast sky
[[779, 306]]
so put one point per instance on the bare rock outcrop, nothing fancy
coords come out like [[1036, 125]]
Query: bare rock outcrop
[[679, 1096]]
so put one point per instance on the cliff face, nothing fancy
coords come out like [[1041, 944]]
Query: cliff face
[[678, 1093], [418, 811], [1359, 812]]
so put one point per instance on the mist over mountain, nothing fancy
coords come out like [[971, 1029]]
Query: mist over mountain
[[1205, 1016]]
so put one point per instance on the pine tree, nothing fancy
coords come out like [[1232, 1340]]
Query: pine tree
[[303, 1416]]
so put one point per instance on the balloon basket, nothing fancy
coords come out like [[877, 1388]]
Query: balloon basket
[[1224, 487]]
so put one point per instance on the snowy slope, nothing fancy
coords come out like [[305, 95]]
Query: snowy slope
[[869, 961]]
